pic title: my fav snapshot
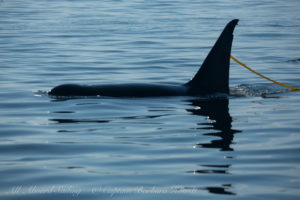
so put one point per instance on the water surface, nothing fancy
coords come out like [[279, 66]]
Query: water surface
[[244, 146]]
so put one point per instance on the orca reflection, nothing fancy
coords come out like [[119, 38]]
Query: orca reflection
[[217, 110], [212, 77]]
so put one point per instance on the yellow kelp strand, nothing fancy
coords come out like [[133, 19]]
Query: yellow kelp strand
[[276, 82]]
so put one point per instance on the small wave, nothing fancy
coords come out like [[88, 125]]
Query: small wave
[[297, 60], [40, 93], [256, 90]]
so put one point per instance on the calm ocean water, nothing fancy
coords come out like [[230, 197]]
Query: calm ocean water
[[246, 146]]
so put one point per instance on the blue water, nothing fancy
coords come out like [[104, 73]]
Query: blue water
[[245, 146]]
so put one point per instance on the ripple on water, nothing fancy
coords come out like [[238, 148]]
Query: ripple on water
[[212, 147]]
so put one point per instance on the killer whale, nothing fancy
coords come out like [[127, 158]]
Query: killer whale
[[212, 77]]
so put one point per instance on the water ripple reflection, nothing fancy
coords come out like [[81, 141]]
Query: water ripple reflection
[[164, 148], [217, 111]]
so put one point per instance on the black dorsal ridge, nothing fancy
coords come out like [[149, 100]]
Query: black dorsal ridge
[[213, 75]]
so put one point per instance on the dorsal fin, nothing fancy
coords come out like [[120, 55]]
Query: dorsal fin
[[213, 76]]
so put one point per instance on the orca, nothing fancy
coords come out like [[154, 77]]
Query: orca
[[212, 77]]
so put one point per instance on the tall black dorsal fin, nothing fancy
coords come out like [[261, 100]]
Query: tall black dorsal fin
[[213, 76]]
